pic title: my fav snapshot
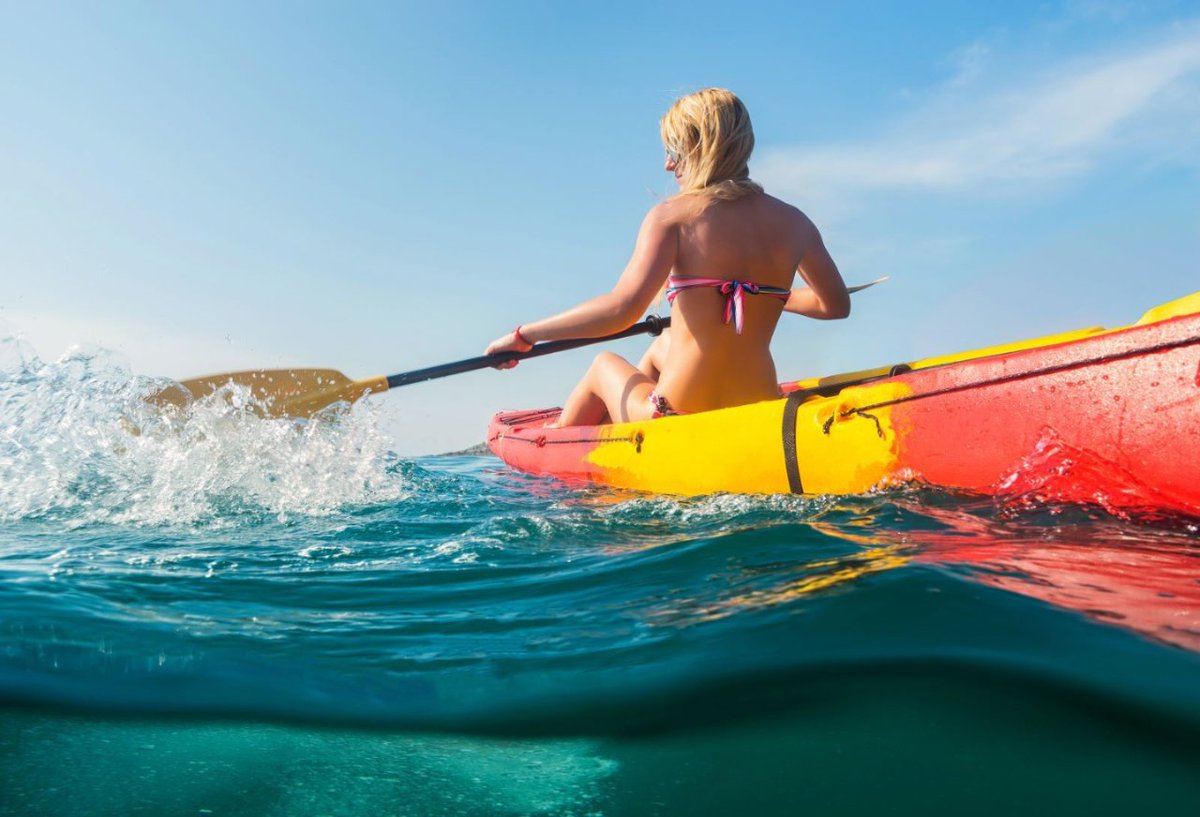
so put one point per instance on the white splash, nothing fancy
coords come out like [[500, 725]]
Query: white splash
[[79, 442]]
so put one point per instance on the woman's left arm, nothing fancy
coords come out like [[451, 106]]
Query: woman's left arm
[[653, 256], [825, 297]]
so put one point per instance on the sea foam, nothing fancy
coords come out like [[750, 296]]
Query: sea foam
[[80, 443]]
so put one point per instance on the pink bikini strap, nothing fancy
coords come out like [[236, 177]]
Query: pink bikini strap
[[733, 290]]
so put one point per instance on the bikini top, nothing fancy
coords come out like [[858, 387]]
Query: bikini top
[[732, 290]]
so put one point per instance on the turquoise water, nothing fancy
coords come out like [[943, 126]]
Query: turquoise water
[[214, 613]]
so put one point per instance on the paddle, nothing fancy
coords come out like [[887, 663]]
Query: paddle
[[304, 392]]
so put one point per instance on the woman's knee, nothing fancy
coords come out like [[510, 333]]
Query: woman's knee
[[606, 359], [607, 362]]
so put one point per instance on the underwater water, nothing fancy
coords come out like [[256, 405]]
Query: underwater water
[[209, 612]]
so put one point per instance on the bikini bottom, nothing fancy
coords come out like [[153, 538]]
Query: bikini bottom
[[661, 407]]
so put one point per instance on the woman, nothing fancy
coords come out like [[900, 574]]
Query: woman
[[728, 254]]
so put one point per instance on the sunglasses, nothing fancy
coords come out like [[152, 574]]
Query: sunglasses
[[674, 156]]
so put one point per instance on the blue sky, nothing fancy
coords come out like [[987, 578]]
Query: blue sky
[[381, 187]]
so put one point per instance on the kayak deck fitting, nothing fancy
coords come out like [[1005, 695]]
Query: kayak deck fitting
[[1107, 417]]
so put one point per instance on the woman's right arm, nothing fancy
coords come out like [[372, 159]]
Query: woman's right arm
[[825, 297], [653, 256]]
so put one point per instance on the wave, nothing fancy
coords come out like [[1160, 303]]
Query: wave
[[475, 606]]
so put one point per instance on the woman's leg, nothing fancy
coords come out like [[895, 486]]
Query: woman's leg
[[651, 365], [612, 387]]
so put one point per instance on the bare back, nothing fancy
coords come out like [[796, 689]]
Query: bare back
[[755, 238]]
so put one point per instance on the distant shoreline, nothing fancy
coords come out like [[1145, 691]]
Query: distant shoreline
[[479, 449]]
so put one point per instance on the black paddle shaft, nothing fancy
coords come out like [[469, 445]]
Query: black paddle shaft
[[653, 325]]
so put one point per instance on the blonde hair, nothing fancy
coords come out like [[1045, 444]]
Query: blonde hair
[[710, 131]]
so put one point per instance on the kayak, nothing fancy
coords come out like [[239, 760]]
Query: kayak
[[1107, 417]]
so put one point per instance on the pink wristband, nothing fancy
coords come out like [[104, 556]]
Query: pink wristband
[[520, 337]]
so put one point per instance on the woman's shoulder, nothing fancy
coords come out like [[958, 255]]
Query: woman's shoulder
[[683, 210], [782, 207], [672, 211], [792, 217], [662, 220]]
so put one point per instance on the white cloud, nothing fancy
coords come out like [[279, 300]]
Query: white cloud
[[1014, 134], [968, 63]]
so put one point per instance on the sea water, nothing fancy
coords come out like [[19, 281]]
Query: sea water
[[210, 612]]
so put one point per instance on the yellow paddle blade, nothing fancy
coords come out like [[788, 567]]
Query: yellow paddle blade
[[861, 287], [284, 392]]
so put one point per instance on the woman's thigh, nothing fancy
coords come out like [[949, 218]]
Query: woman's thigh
[[655, 358], [624, 389]]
